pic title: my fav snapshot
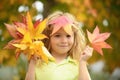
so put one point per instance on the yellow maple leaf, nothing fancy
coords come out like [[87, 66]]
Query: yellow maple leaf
[[31, 44]]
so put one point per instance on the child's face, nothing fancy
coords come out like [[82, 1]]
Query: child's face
[[61, 42]]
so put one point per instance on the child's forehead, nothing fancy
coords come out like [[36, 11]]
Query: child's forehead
[[62, 31]]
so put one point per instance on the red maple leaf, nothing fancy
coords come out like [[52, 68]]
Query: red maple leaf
[[61, 22], [97, 40]]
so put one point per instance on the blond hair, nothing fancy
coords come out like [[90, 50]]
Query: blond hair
[[79, 37]]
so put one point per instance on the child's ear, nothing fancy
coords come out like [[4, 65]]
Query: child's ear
[[50, 27]]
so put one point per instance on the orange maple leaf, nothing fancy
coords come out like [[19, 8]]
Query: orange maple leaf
[[17, 36], [97, 40]]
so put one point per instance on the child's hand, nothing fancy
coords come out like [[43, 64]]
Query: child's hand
[[34, 59], [87, 53]]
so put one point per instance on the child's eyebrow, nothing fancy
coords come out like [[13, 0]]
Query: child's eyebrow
[[58, 33]]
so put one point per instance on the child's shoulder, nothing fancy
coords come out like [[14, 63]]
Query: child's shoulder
[[71, 60]]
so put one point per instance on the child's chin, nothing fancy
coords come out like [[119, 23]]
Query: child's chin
[[63, 52]]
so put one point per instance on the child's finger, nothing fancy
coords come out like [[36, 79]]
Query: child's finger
[[87, 53]]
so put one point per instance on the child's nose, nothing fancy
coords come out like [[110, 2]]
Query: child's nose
[[64, 39]]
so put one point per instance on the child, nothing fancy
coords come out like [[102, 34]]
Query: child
[[67, 44]]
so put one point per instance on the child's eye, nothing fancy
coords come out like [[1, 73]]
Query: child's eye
[[57, 35], [68, 36]]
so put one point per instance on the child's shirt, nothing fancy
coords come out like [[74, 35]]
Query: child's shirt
[[65, 70]]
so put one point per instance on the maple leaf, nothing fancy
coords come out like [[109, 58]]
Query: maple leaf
[[30, 43], [97, 40], [61, 22], [12, 29]]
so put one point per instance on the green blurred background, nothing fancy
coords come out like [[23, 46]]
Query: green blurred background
[[104, 13]]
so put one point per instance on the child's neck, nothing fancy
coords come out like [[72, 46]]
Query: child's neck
[[59, 57]]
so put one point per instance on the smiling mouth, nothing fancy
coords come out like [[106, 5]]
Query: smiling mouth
[[63, 46]]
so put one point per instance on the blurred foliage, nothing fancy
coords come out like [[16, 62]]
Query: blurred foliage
[[104, 13]]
